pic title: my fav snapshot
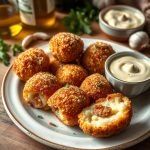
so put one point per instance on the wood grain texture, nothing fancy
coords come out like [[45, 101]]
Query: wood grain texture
[[10, 136]]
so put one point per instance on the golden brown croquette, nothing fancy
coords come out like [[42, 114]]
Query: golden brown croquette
[[66, 47], [71, 74], [106, 117], [95, 56], [30, 62], [39, 88], [54, 65], [96, 86], [67, 103]]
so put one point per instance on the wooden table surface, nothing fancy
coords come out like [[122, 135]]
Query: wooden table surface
[[10, 136]]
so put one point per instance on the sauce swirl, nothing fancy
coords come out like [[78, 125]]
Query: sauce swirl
[[130, 69], [123, 19]]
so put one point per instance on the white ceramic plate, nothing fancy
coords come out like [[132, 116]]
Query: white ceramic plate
[[63, 137]]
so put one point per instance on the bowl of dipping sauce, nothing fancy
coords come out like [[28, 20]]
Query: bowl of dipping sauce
[[120, 21], [128, 72]]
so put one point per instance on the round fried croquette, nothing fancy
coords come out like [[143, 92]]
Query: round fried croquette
[[106, 117], [39, 88], [54, 65], [30, 62], [66, 47], [96, 86], [94, 57], [71, 74], [67, 103]]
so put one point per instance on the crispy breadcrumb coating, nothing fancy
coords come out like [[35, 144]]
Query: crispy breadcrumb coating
[[95, 56], [67, 103], [71, 74], [54, 65], [108, 116], [30, 62], [96, 86], [66, 47], [39, 88]]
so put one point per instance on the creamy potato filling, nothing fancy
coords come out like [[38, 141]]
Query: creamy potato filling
[[37, 100], [59, 114], [117, 106]]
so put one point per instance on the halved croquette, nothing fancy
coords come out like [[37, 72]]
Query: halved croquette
[[39, 88], [67, 103]]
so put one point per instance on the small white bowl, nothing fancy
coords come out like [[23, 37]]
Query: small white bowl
[[130, 89], [117, 33]]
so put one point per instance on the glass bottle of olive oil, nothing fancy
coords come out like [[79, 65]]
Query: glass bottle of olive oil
[[9, 20], [37, 14]]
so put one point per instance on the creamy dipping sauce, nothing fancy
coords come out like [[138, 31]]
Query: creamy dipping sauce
[[123, 19], [130, 69]]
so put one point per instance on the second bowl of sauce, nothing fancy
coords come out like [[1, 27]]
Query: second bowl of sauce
[[120, 21]]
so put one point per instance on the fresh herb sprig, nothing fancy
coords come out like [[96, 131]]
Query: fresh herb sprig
[[4, 56], [16, 49], [4, 48], [79, 20]]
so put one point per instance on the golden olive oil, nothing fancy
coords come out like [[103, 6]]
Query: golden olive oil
[[37, 13], [9, 21]]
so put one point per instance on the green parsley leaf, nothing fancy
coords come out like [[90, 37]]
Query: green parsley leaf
[[79, 20], [4, 48], [5, 58], [16, 49]]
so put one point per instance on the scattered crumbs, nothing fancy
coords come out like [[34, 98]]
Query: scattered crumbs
[[52, 124], [74, 133], [40, 117]]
